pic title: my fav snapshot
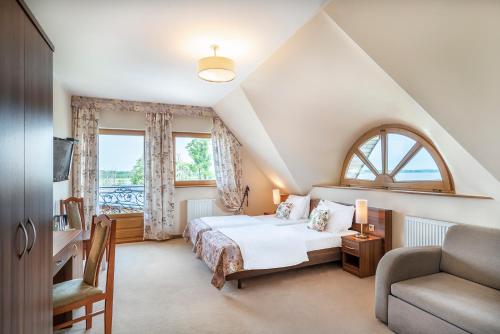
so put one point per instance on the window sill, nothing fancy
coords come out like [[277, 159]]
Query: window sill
[[196, 186], [411, 192]]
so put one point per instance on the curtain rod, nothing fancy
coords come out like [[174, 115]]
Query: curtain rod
[[102, 104]]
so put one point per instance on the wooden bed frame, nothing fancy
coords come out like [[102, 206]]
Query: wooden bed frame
[[380, 218]]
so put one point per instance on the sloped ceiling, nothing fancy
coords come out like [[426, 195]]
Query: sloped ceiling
[[320, 91], [445, 54]]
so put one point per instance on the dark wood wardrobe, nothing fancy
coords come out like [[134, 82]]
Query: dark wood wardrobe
[[25, 172]]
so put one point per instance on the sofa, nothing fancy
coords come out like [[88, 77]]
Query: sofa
[[450, 289]]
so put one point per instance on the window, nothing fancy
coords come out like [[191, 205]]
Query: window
[[193, 159], [121, 171], [396, 157]]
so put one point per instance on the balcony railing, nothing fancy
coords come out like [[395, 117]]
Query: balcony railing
[[121, 199]]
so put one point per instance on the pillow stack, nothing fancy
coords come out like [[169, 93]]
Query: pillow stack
[[339, 217], [300, 208]]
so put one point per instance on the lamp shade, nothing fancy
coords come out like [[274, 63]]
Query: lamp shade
[[276, 196], [361, 211], [215, 68]]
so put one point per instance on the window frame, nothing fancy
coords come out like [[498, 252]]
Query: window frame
[[192, 183], [123, 132], [385, 180]]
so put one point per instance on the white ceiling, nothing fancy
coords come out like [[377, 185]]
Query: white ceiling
[[148, 50]]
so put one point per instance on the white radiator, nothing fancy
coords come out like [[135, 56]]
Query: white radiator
[[424, 232], [197, 208]]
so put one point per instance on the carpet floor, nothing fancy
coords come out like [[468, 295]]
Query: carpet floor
[[160, 287]]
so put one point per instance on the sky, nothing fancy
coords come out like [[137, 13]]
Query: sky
[[119, 152]]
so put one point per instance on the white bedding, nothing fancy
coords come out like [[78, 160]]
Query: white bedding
[[268, 246], [218, 222], [315, 240]]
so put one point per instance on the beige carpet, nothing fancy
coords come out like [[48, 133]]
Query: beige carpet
[[160, 287]]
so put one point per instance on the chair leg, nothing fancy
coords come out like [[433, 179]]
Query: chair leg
[[88, 321], [108, 316]]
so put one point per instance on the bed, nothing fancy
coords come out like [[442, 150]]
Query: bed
[[224, 257], [195, 228]]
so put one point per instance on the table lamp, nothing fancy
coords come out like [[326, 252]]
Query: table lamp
[[276, 196], [361, 216]]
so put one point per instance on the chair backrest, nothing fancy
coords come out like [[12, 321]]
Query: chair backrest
[[472, 253], [103, 239], [73, 208]]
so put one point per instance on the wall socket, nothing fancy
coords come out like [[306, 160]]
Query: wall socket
[[371, 227]]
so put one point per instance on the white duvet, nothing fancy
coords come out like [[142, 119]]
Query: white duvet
[[268, 246], [218, 222]]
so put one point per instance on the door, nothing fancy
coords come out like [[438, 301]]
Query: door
[[38, 182], [12, 237]]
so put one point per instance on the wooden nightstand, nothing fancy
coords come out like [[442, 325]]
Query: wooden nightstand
[[360, 256]]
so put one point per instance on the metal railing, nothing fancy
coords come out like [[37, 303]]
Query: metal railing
[[121, 199]]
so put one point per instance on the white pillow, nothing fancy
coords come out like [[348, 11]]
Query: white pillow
[[340, 216], [300, 209]]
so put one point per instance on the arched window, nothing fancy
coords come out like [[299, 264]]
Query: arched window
[[396, 157]]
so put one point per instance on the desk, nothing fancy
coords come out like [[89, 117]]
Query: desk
[[67, 260]]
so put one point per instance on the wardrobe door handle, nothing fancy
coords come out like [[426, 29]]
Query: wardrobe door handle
[[21, 226], [30, 223]]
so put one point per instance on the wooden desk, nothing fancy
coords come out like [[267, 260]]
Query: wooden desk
[[67, 260]]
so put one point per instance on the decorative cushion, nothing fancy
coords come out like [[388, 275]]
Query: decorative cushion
[[74, 219], [318, 220], [72, 291], [283, 210], [300, 209]]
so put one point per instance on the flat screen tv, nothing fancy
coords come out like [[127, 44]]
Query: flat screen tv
[[63, 151]]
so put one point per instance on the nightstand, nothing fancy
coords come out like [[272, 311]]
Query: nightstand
[[269, 213], [360, 256]]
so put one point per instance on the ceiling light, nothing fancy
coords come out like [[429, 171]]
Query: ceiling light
[[215, 68]]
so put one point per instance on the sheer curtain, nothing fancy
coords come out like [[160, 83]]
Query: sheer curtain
[[84, 177], [228, 167], [158, 177]]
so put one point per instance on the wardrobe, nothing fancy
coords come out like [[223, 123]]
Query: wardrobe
[[25, 172]]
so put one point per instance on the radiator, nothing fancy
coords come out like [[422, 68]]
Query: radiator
[[424, 232], [197, 208]]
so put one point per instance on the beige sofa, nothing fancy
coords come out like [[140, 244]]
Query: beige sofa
[[450, 289]]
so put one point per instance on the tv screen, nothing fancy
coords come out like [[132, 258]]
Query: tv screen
[[63, 151]]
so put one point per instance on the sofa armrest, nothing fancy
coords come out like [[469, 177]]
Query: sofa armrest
[[399, 265]]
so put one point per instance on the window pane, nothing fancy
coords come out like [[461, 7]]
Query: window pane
[[193, 159], [372, 149], [358, 170], [397, 147], [420, 168], [121, 174]]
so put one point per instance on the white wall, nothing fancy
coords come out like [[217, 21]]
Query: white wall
[[260, 199], [444, 54], [62, 129], [317, 94]]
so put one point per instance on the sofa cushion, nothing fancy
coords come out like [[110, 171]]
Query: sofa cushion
[[473, 307], [471, 252]]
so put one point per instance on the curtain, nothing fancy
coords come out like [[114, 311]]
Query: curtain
[[158, 177], [227, 163], [84, 177]]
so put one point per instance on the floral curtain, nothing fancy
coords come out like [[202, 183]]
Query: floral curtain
[[158, 177], [84, 177], [227, 163]]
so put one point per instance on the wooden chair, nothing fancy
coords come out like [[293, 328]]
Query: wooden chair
[[72, 207], [73, 294]]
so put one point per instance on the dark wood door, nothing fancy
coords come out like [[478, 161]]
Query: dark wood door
[[38, 182], [12, 166]]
